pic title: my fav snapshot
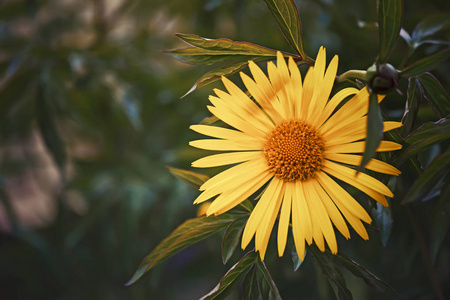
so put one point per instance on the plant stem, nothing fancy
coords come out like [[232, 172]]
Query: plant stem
[[352, 74]]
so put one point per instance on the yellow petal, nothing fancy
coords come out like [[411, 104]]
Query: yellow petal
[[258, 212], [324, 92], [223, 133], [355, 160], [225, 159], [358, 147], [323, 218], [332, 210], [265, 227], [226, 145], [342, 198], [296, 82], [334, 102], [233, 197], [353, 177], [285, 215], [301, 208], [236, 122]]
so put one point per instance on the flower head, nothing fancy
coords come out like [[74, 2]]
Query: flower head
[[291, 139]]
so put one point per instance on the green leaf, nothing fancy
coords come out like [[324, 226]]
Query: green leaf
[[438, 168], [251, 286], [188, 233], [331, 271], [383, 219], [231, 238], [216, 74], [246, 205], [374, 130], [413, 100], [441, 221], [190, 177], [210, 51], [425, 136], [359, 271], [426, 64], [430, 26], [273, 290], [232, 277], [288, 19], [390, 14], [436, 94]]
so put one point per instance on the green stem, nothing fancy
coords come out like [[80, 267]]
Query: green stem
[[352, 74]]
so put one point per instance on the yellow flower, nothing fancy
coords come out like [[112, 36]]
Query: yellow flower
[[292, 140]]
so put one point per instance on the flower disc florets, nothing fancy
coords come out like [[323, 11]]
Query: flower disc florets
[[294, 150]]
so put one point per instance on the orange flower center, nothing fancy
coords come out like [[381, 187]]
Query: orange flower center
[[294, 150]]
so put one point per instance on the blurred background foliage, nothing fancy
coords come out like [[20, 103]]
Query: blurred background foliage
[[91, 116]]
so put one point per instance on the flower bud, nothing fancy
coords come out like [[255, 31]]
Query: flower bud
[[382, 78]]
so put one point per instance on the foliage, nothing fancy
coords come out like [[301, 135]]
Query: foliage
[[90, 118]]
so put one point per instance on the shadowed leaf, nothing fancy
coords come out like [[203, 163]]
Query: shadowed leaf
[[232, 277], [425, 136], [413, 100], [288, 19], [273, 290], [429, 26], [331, 271], [193, 178], [436, 94], [216, 74], [441, 221], [426, 64], [438, 168], [374, 130], [390, 14], [359, 271], [383, 219], [188, 233], [231, 238]]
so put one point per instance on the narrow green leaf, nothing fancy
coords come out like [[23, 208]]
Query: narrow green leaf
[[436, 94], [383, 219], [430, 26], [231, 238], [232, 277], [426, 64], [274, 293], [413, 100], [359, 271], [441, 221], [288, 19], [216, 74], [390, 14], [188, 233], [425, 136], [190, 177], [432, 174], [331, 271], [374, 130]]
